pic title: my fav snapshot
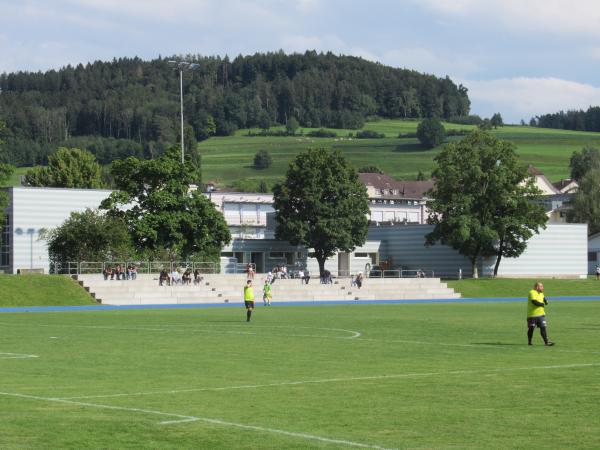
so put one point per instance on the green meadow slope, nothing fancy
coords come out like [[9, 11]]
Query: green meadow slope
[[228, 160]]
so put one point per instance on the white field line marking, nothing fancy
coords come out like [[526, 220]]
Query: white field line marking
[[185, 419], [340, 379], [169, 328], [16, 356]]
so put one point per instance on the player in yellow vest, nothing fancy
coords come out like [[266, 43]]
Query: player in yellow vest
[[249, 299], [536, 316], [267, 296]]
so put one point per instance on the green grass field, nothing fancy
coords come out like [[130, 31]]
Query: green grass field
[[229, 159], [418, 376]]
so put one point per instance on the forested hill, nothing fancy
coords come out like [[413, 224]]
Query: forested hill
[[131, 106]]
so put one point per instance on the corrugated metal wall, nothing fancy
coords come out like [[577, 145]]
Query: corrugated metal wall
[[37, 209], [559, 250]]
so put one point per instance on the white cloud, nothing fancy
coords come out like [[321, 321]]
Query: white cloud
[[549, 16], [425, 60], [306, 6], [522, 97]]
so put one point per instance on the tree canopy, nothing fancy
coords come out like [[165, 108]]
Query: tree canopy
[[582, 162], [6, 170], [90, 236], [586, 204], [321, 204], [137, 101], [162, 214], [431, 133], [485, 203], [67, 168]]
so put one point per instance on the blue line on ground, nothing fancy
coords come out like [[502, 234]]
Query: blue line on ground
[[278, 303]]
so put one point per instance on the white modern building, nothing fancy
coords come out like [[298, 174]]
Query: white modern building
[[395, 238]]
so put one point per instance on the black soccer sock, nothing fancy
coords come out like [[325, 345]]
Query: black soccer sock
[[544, 335], [248, 315], [530, 334]]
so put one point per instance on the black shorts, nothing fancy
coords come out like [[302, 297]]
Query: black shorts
[[249, 303], [539, 321]]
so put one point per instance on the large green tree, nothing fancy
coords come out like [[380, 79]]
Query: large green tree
[[322, 204], [485, 203], [67, 168], [586, 204], [89, 236], [163, 215]]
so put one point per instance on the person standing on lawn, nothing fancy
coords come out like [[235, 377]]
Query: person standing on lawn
[[536, 315], [267, 293], [249, 299]]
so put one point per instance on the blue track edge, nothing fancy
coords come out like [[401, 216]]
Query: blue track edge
[[277, 303]]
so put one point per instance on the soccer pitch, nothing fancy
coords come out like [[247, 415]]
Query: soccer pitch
[[417, 376]]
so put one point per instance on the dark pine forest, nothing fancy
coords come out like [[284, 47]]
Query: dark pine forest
[[131, 107]]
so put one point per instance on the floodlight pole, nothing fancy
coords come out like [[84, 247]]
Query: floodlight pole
[[181, 102], [181, 65]]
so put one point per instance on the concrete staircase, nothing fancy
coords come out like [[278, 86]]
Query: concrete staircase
[[229, 289]]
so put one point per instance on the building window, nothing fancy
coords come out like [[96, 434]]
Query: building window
[[227, 254], [592, 256], [361, 255]]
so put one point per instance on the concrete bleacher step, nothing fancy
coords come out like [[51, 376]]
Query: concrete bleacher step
[[228, 289]]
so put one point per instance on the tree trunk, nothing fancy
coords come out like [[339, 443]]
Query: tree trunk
[[321, 260], [474, 269], [498, 257]]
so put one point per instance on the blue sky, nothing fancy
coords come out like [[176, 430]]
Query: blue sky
[[521, 58]]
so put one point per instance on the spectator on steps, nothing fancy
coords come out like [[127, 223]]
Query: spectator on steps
[[175, 277], [359, 280], [119, 272], [197, 277], [164, 277], [108, 272], [133, 272], [187, 277]]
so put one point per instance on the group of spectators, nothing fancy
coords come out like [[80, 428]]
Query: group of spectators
[[130, 273], [179, 276]]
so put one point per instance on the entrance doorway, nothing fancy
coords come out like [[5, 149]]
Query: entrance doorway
[[343, 264], [258, 259]]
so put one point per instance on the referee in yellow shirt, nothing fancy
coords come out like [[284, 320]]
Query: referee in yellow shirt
[[536, 316], [249, 299]]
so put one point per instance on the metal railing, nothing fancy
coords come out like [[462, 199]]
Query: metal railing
[[142, 267], [401, 273]]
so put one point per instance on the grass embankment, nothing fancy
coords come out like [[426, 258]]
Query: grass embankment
[[519, 287], [41, 290], [230, 159]]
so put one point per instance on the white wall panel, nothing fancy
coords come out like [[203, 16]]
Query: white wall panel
[[37, 209]]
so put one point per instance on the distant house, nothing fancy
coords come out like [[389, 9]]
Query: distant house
[[392, 201], [567, 186], [541, 182]]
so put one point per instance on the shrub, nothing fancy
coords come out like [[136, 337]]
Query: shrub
[[262, 160], [369, 134], [322, 133]]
